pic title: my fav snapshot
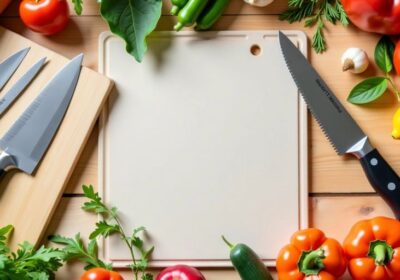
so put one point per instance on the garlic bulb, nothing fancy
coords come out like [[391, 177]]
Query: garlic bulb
[[355, 60], [259, 3]]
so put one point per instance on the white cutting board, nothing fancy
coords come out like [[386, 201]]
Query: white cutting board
[[204, 138]]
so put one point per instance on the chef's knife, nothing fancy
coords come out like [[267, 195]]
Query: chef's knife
[[20, 85], [339, 127], [10, 64], [24, 144]]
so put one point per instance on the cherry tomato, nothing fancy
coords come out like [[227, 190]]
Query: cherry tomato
[[44, 16], [99, 273], [396, 58]]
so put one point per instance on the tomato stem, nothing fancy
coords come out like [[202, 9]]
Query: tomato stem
[[310, 262], [381, 252]]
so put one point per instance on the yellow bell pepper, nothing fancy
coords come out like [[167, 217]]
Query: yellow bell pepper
[[396, 125]]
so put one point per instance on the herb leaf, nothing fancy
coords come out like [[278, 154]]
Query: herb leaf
[[133, 21], [384, 54], [315, 12], [368, 90], [78, 6], [104, 229]]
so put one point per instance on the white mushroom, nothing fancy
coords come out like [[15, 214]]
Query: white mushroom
[[259, 3]]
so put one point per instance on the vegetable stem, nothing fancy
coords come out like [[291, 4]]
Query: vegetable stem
[[310, 262], [230, 245], [394, 87], [381, 252]]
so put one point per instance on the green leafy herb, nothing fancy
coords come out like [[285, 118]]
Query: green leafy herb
[[368, 90], [384, 54], [372, 88], [315, 13], [109, 224], [27, 263], [74, 249], [133, 21], [77, 6]]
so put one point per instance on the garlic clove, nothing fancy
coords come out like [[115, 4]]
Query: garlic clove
[[355, 60]]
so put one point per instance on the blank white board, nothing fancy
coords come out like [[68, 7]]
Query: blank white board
[[204, 138]]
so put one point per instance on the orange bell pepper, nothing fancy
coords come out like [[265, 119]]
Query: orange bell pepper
[[311, 256], [373, 249]]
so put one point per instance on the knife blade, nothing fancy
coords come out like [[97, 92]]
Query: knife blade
[[20, 85], [339, 127], [10, 64], [25, 143]]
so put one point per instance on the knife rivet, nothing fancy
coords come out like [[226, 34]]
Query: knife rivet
[[391, 186], [374, 162]]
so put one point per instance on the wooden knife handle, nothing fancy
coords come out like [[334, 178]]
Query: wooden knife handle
[[383, 179]]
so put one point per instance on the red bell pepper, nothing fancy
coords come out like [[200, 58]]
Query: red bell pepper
[[378, 16], [180, 272]]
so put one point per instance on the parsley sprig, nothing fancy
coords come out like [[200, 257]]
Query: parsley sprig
[[109, 224], [27, 263], [316, 13]]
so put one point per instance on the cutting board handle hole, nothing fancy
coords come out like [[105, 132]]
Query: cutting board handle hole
[[255, 50]]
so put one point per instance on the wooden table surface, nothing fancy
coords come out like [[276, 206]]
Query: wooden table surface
[[339, 194]]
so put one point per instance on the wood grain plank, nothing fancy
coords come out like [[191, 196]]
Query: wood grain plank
[[328, 172], [326, 212], [91, 8]]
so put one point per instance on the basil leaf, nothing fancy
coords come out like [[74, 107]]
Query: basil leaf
[[133, 21], [368, 90], [384, 54]]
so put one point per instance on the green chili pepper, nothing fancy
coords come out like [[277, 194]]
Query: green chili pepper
[[189, 13], [211, 14], [177, 5]]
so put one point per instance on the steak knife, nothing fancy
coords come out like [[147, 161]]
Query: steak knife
[[20, 85], [10, 64], [339, 127], [27, 140]]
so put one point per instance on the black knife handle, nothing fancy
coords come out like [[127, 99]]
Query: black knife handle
[[383, 179], [2, 173]]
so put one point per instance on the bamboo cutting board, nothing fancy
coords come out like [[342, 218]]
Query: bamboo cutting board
[[28, 202], [207, 136]]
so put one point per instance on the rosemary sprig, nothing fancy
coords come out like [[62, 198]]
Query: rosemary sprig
[[316, 13]]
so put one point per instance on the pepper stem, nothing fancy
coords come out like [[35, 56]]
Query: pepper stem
[[230, 245], [381, 252], [310, 262]]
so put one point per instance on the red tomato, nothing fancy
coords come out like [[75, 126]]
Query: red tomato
[[396, 58], [99, 273], [44, 16]]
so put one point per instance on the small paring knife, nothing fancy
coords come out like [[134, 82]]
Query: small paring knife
[[20, 85], [10, 64], [339, 127], [25, 143]]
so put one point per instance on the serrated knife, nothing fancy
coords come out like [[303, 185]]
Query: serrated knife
[[10, 64], [339, 127], [27, 140], [20, 85]]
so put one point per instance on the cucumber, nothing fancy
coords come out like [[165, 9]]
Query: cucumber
[[211, 14], [247, 263]]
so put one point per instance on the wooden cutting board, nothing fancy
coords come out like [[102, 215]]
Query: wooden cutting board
[[28, 202], [207, 136]]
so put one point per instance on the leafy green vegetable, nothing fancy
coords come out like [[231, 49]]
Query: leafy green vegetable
[[368, 90], [315, 12], [77, 6], [133, 21], [384, 54], [27, 263], [110, 224], [372, 88], [74, 249]]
